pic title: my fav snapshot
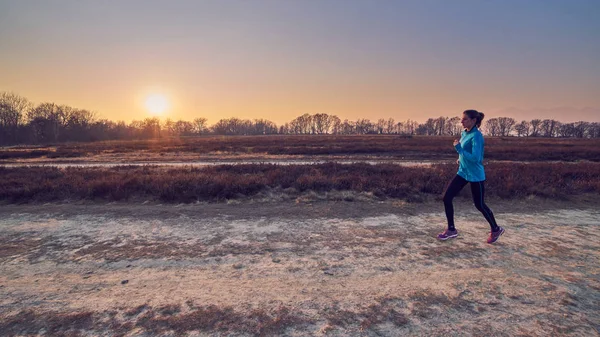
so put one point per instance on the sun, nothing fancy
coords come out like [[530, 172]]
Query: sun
[[157, 104]]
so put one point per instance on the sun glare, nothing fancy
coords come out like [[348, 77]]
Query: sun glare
[[157, 104]]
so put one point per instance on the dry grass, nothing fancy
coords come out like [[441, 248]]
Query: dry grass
[[30, 322], [401, 312], [219, 183], [386, 309], [391, 146], [13, 244], [155, 321], [118, 249]]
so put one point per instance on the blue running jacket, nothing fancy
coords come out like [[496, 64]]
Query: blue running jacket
[[470, 155]]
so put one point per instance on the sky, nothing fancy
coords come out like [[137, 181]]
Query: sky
[[278, 59]]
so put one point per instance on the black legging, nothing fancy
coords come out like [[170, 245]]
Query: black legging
[[477, 190]]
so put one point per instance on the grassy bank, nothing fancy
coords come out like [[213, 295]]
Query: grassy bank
[[392, 146], [219, 183]]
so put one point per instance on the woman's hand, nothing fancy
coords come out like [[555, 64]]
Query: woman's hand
[[455, 142]]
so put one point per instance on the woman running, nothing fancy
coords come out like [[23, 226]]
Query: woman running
[[470, 170]]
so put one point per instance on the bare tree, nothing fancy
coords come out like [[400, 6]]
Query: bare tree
[[297, 125], [452, 127], [200, 125], [506, 125], [9, 123], [390, 126], [522, 129], [364, 126], [151, 128], [535, 127], [336, 124], [168, 128], [580, 129], [566, 130], [380, 126], [493, 127], [322, 124], [184, 128], [408, 128], [594, 130], [412, 127], [284, 129], [429, 128], [264, 127], [440, 125], [400, 128], [348, 127], [104, 129], [421, 130], [76, 124], [19, 103], [46, 120], [221, 127], [302, 124], [135, 128], [548, 127], [233, 126], [13, 109]]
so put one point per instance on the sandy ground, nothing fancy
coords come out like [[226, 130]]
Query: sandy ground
[[298, 268]]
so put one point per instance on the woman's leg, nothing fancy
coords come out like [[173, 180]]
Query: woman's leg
[[452, 190], [478, 192]]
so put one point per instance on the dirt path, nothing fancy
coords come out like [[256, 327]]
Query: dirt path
[[335, 268]]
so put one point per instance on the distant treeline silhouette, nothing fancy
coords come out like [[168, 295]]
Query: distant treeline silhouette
[[22, 122]]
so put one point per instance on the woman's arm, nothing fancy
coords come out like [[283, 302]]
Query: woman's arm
[[476, 153]]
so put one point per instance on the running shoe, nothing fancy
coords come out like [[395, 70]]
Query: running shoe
[[447, 234], [495, 235]]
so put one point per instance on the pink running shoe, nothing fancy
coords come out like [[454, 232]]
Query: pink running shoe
[[447, 234], [495, 235]]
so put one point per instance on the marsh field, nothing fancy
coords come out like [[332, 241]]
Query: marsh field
[[296, 236]]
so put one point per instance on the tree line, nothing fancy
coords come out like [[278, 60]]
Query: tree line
[[22, 122]]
